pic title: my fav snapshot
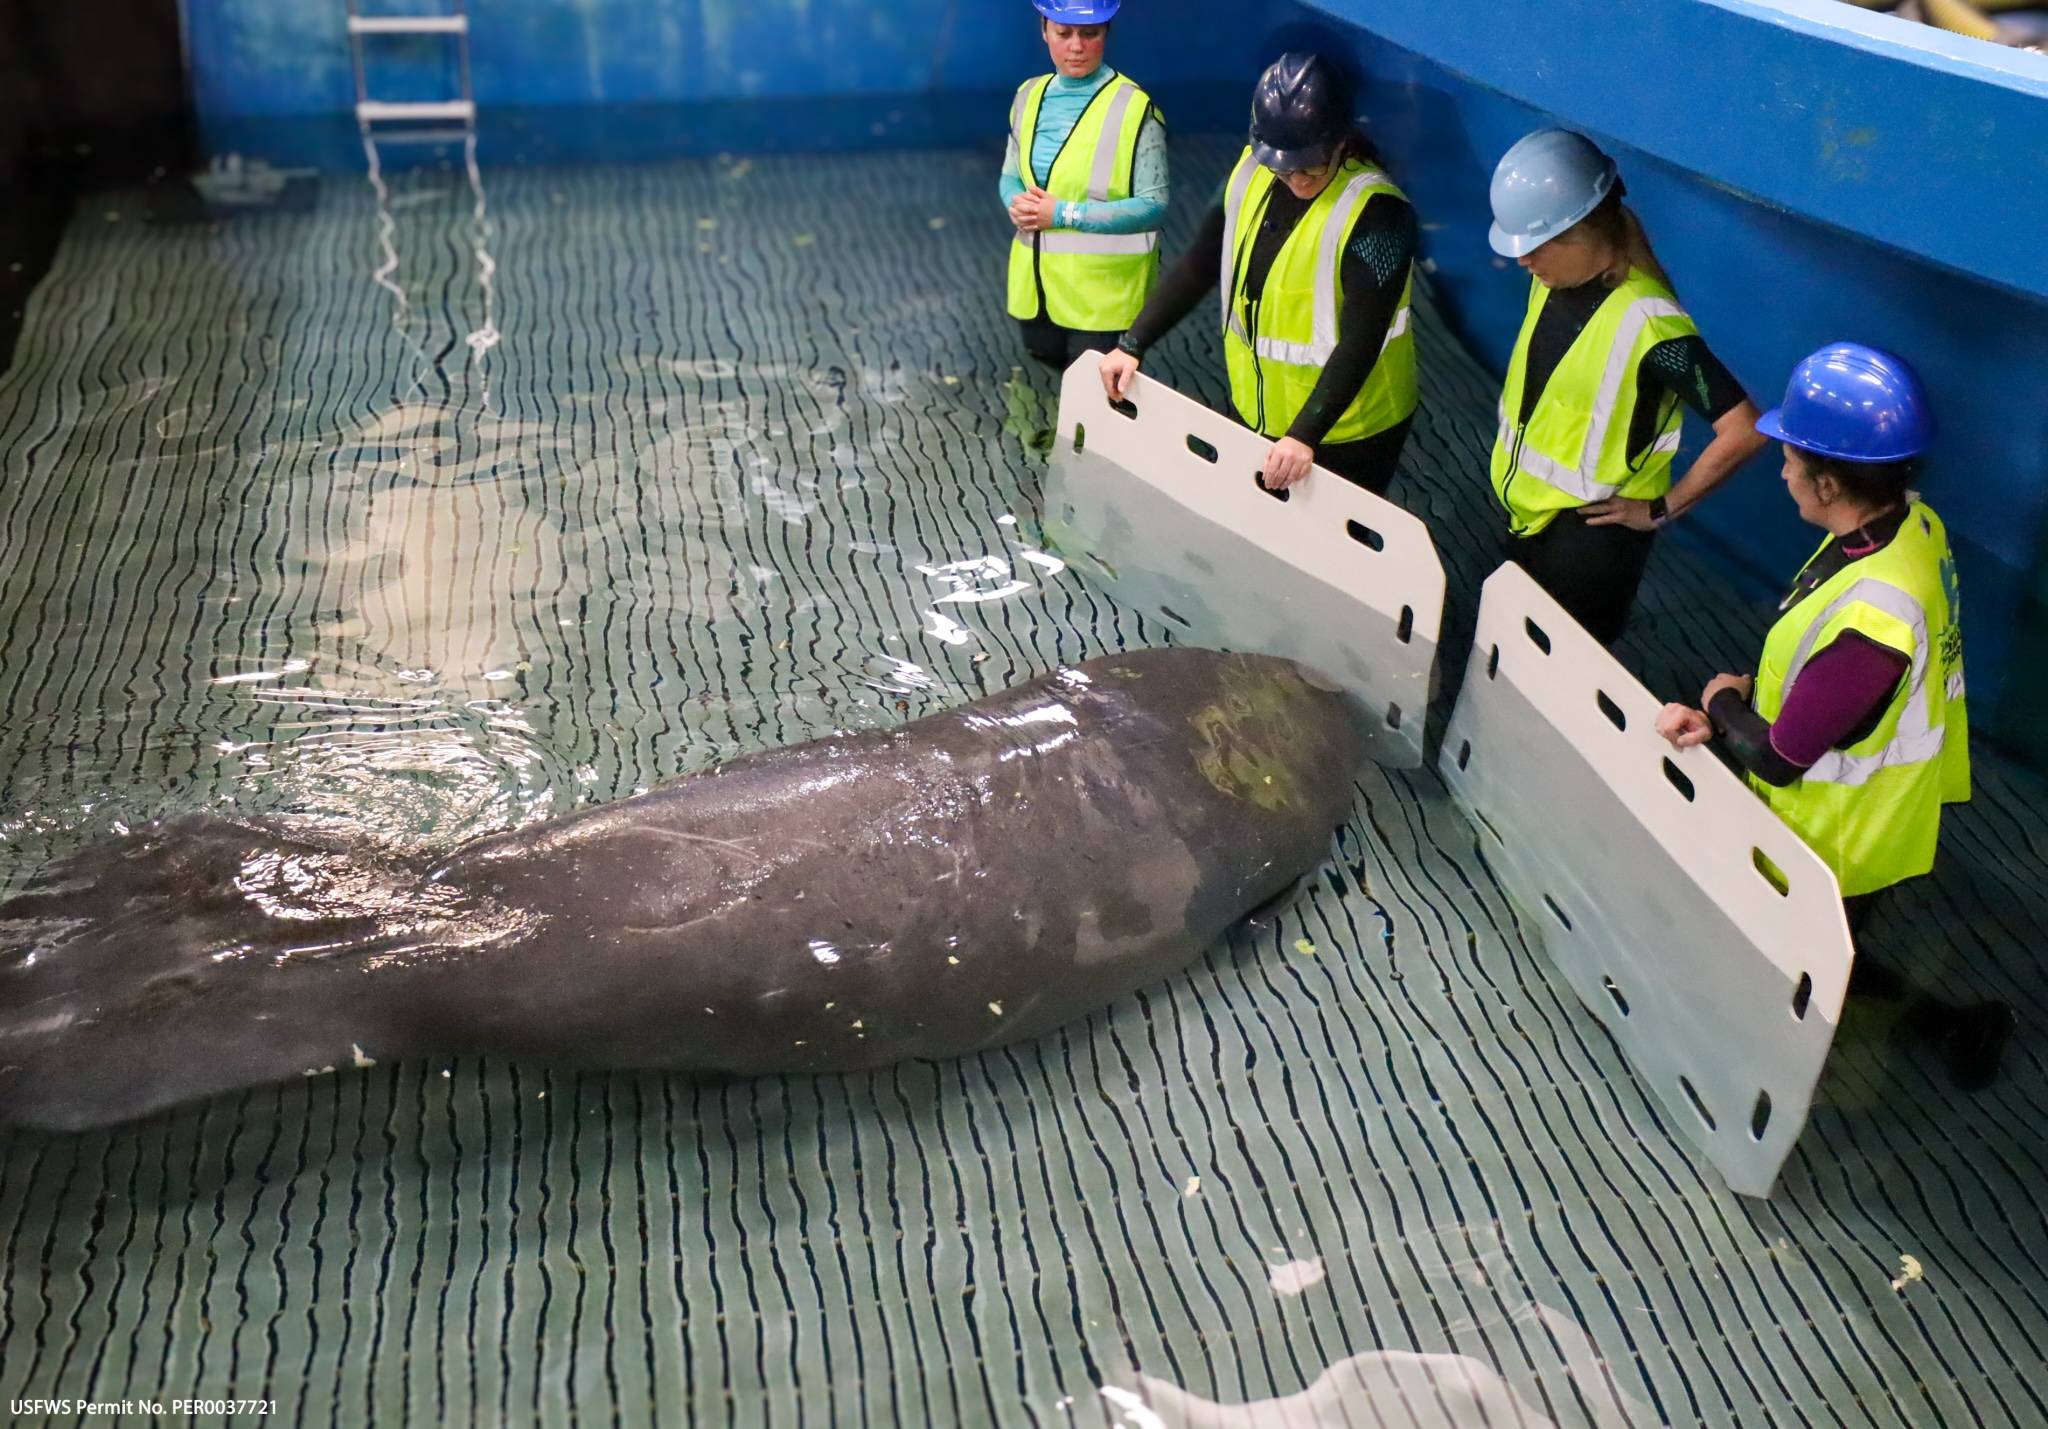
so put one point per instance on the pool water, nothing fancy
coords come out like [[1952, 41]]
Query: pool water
[[462, 499]]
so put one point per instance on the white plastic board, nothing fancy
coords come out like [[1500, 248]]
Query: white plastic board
[[1159, 499], [1698, 927]]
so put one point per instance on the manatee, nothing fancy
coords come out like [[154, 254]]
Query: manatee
[[973, 878]]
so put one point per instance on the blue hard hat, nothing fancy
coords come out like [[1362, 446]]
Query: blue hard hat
[[1301, 111], [1078, 12], [1549, 181], [1855, 403]]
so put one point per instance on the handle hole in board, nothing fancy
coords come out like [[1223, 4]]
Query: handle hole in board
[[1698, 1105], [1464, 755], [1614, 992], [1278, 493], [1612, 710], [1678, 780], [1201, 448], [1080, 436], [1176, 617], [1124, 406], [1760, 1117], [1538, 636], [1405, 631], [1493, 663], [1365, 536], [1772, 874], [1393, 716], [1802, 995]]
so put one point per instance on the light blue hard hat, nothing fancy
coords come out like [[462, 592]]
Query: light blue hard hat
[[1549, 181], [1853, 402], [1078, 12]]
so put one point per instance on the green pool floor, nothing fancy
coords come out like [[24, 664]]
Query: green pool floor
[[421, 522]]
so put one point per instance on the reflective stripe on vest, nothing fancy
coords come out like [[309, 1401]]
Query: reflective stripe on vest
[[1329, 254], [1917, 739], [1093, 294], [1102, 177], [1102, 172], [1583, 481], [1873, 811], [1233, 206], [1114, 245], [1277, 352]]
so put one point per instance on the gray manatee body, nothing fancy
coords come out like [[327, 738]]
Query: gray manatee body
[[973, 878]]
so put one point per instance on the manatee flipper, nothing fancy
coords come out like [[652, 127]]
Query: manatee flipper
[[1268, 912]]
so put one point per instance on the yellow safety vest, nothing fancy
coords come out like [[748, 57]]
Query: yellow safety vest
[[1276, 354], [1872, 811], [1091, 282], [1574, 450]]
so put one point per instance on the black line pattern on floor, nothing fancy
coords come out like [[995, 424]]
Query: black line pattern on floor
[[692, 504]]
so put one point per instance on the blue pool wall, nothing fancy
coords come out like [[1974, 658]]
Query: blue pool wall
[[289, 57], [755, 75], [1806, 170]]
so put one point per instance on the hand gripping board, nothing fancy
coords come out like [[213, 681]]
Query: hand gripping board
[[1698, 927], [1158, 499]]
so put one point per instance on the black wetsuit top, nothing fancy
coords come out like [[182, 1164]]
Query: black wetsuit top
[[1375, 273], [1682, 369]]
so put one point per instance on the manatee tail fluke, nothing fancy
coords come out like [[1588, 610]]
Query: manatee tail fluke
[[184, 958]]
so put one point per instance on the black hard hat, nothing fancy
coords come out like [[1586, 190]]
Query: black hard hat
[[1301, 110]]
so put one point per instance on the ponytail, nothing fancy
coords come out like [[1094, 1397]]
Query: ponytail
[[1615, 223], [1640, 254], [1354, 145]]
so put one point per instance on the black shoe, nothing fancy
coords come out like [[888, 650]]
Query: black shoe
[[1975, 1044]]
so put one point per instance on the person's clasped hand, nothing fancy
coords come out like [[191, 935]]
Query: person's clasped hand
[[1742, 685], [1033, 210], [1288, 463], [1683, 727]]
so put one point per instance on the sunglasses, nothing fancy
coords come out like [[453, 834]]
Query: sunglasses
[[1314, 172]]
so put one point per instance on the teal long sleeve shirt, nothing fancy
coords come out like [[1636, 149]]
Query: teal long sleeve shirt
[[1065, 100]]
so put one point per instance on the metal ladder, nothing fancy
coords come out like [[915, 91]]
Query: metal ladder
[[370, 112]]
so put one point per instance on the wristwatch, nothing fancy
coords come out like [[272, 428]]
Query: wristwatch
[[1660, 511]]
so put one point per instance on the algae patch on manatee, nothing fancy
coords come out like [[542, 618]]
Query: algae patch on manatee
[[1244, 738]]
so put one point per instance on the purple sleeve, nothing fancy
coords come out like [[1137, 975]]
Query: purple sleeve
[[1840, 689], [1841, 692]]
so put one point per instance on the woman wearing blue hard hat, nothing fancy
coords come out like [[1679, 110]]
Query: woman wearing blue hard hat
[[1854, 728], [1085, 183], [1313, 246], [1590, 417]]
